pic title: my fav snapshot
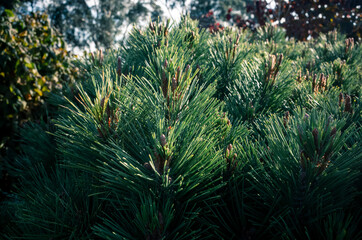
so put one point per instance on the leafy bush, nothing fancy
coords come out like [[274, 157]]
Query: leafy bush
[[34, 62], [187, 134]]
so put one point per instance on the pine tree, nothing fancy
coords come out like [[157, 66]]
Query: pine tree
[[187, 134]]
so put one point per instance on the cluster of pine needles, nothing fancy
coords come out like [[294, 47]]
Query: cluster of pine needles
[[186, 134]]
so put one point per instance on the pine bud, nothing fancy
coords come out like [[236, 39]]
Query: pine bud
[[322, 82], [273, 59], [168, 23], [228, 150], [348, 105], [174, 85], [152, 26], [177, 75], [237, 39], [164, 84], [340, 99], [163, 140], [227, 154], [159, 29], [299, 78], [333, 132], [307, 76], [314, 84], [165, 63], [280, 59], [286, 118], [351, 43]]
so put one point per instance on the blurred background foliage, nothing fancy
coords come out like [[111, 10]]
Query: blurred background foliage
[[104, 23]]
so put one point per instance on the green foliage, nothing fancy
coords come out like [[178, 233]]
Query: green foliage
[[186, 134], [34, 62]]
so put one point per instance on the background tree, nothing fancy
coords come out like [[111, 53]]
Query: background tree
[[303, 19]]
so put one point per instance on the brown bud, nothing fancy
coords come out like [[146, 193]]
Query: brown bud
[[174, 84], [286, 118], [163, 140], [152, 26], [165, 63], [230, 147], [280, 59], [237, 39], [323, 82], [340, 99], [321, 77], [307, 76], [164, 84], [333, 132], [314, 84], [101, 56], [272, 60], [348, 104], [351, 43], [177, 75], [299, 78]]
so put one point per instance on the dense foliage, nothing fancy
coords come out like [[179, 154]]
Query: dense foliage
[[34, 62], [187, 134]]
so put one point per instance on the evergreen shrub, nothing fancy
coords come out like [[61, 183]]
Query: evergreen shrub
[[187, 134]]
